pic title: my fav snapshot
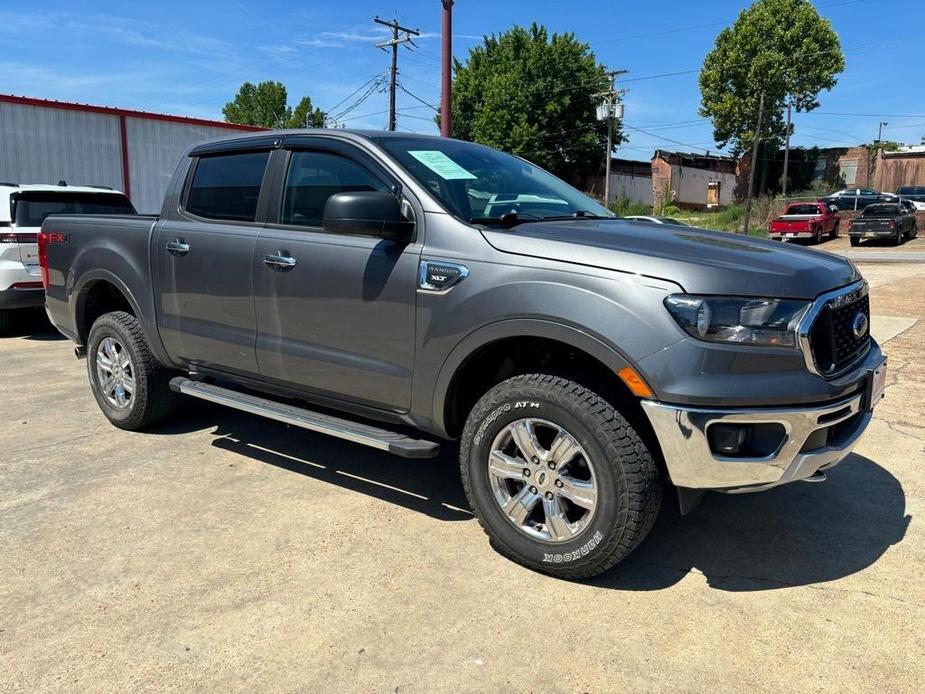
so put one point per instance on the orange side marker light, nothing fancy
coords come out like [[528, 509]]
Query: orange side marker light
[[634, 382]]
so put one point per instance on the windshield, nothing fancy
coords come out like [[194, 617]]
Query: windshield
[[911, 190], [803, 209], [881, 211], [480, 184], [31, 209]]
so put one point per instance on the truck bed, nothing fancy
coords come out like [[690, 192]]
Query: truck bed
[[117, 246]]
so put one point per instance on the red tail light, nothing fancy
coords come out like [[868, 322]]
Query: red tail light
[[892, 224], [9, 237], [43, 257]]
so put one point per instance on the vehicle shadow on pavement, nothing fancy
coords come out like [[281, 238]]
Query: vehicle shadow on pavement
[[430, 486], [33, 325], [794, 535]]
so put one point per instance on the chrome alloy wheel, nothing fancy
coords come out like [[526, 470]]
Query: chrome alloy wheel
[[542, 480], [114, 373]]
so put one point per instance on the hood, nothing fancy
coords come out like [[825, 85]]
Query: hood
[[701, 261]]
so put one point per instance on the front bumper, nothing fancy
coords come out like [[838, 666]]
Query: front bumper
[[682, 433]]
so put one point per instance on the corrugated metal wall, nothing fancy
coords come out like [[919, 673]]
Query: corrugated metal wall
[[154, 148], [46, 145], [41, 144]]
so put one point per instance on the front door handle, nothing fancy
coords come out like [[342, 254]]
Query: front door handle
[[281, 260], [178, 247]]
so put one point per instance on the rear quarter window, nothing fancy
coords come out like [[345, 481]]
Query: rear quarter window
[[227, 186]]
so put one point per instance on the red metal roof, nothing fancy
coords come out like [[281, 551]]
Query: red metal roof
[[111, 111]]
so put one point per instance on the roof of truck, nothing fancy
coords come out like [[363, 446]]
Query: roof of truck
[[260, 138]]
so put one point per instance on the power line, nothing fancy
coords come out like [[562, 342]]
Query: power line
[[417, 98], [867, 115], [377, 113], [371, 79], [375, 86]]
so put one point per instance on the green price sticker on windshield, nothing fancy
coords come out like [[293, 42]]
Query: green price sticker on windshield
[[441, 164]]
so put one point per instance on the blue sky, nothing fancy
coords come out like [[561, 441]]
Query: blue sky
[[189, 57]]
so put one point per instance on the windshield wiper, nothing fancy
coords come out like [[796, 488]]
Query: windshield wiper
[[577, 214], [509, 219]]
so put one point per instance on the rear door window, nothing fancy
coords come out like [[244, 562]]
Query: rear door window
[[227, 186]]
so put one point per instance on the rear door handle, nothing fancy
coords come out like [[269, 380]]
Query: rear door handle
[[281, 260], [178, 247]]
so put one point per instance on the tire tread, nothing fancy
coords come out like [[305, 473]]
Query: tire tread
[[153, 402], [643, 487]]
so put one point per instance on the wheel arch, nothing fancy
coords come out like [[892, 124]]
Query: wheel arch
[[520, 341], [100, 291]]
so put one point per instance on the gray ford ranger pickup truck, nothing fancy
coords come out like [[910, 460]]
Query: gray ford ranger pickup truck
[[402, 291]]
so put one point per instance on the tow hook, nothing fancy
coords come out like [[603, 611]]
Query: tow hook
[[80, 351], [818, 476]]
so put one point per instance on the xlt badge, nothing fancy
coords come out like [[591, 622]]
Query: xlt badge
[[439, 277]]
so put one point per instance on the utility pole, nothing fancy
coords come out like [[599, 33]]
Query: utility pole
[[446, 76], [880, 134], [395, 42], [607, 111], [786, 152], [754, 163]]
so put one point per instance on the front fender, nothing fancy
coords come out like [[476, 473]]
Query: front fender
[[513, 328]]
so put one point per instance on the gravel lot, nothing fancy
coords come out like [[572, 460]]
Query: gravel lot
[[229, 553]]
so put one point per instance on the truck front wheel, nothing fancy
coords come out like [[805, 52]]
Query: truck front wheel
[[558, 479], [129, 384]]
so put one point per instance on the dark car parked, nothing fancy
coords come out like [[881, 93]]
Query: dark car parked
[[856, 198], [914, 193], [892, 220]]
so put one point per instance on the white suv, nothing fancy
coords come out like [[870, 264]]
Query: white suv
[[23, 208]]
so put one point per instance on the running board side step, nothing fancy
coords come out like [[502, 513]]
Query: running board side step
[[393, 442]]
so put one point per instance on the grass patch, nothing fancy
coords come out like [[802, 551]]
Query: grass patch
[[624, 207]]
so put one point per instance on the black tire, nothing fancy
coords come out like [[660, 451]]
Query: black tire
[[817, 236], [629, 489], [152, 399], [855, 240], [834, 233], [915, 231], [897, 240]]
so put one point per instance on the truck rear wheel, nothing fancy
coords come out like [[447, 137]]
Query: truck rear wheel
[[129, 384], [855, 240], [558, 479]]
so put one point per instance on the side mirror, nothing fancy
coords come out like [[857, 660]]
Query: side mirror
[[367, 212]]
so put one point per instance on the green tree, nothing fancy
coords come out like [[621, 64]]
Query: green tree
[[265, 104], [782, 48], [304, 116], [535, 96]]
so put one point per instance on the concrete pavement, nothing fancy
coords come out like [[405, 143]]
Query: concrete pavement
[[227, 553]]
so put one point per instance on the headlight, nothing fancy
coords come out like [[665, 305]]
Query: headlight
[[763, 322]]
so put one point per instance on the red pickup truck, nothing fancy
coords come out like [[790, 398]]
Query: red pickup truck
[[805, 220]]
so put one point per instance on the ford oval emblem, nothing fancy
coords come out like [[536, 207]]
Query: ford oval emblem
[[859, 327]]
